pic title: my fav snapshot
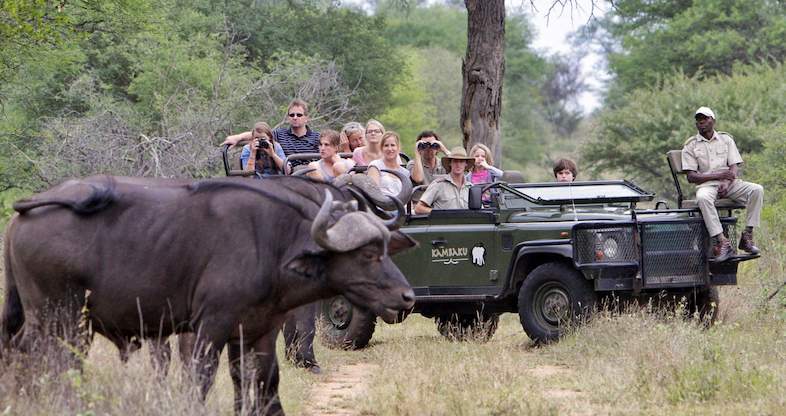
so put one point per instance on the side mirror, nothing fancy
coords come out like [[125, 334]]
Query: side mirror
[[476, 197]]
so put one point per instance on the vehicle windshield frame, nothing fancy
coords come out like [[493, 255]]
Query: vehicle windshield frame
[[637, 195]]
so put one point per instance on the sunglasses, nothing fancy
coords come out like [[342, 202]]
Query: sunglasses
[[424, 146], [293, 115]]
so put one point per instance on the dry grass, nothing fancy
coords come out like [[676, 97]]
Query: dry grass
[[631, 362]]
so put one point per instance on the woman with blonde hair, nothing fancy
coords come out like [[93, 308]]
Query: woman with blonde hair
[[388, 183], [330, 164], [483, 171], [373, 149]]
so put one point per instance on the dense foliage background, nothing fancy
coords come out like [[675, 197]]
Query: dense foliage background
[[150, 87]]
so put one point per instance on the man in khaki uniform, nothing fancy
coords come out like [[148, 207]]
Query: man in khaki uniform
[[451, 191], [711, 159]]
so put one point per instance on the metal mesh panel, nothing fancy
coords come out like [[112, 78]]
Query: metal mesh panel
[[730, 230], [674, 253], [605, 245]]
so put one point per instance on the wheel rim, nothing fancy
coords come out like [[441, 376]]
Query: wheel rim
[[552, 305], [339, 312]]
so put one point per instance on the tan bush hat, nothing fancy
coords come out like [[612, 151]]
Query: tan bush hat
[[458, 153]]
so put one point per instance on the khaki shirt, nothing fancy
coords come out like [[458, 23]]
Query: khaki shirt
[[444, 194], [705, 156]]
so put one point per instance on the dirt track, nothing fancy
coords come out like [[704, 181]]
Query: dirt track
[[333, 397]]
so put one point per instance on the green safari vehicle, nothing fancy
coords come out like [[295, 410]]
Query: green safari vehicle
[[549, 252]]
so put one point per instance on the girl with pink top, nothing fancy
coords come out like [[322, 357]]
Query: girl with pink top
[[483, 171]]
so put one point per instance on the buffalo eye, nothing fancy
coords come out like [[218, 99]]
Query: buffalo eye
[[370, 255]]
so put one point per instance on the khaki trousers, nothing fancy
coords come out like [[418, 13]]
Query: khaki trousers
[[747, 193]]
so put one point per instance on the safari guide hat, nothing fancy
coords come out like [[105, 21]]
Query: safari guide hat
[[458, 153], [706, 111]]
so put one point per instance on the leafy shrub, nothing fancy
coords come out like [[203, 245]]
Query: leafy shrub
[[633, 139]]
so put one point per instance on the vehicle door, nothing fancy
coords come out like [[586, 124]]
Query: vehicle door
[[455, 255]]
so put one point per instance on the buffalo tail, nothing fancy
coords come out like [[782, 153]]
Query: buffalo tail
[[101, 195]]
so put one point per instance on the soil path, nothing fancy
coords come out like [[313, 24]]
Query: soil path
[[333, 397], [570, 402]]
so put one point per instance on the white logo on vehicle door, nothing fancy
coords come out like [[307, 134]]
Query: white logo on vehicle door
[[449, 255], [479, 255]]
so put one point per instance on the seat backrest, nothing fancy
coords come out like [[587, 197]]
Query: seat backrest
[[675, 161]]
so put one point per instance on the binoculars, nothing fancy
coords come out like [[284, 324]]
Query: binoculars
[[424, 146]]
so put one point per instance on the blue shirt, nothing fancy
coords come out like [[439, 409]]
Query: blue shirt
[[270, 166], [292, 144]]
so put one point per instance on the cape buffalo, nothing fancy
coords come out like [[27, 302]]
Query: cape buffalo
[[224, 259]]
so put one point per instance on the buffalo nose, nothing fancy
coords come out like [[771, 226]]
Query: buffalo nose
[[408, 296]]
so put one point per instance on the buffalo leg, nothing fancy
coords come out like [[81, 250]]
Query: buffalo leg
[[299, 331], [237, 354], [160, 355], [207, 347], [56, 334], [257, 365], [267, 378], [185, 343]]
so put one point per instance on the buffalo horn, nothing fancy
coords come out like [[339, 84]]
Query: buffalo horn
[[349, 232], [406, 186], [361, 200], [397, 221], [367, 187], [303, 172]]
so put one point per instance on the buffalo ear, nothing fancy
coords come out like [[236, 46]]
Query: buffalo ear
[[400, 242], [309, 265]]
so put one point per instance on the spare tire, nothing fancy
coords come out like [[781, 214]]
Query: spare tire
[[343, 325]]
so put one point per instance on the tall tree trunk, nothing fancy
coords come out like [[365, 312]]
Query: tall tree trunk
[[483, 68]]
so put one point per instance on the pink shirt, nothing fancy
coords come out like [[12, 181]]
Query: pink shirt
[[484, 176]]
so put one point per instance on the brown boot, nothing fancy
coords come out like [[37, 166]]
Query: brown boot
[[722, 251], [746, 243]]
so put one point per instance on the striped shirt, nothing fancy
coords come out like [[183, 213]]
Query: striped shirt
[[292, 144]]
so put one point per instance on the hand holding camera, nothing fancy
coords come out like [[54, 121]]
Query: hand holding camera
[[262, 144]]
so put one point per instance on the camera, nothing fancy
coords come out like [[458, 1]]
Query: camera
[[424, 145], [263, 143]]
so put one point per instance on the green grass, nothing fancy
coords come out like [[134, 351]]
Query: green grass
[[630, 362]]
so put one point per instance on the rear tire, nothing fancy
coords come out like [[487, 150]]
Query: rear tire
[[552, 297], [705, 303], [343, 325], [464, 327]]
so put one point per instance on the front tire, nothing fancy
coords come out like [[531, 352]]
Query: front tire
[[343, 325], [552, 297]]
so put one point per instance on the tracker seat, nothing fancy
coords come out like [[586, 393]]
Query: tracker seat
[[674, 158]]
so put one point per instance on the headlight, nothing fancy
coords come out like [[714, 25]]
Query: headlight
[[610, 248]]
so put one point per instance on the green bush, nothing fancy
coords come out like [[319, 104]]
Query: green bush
[[633, 139]]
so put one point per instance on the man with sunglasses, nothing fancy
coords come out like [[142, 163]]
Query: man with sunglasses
[[426, 167], [297, 138]]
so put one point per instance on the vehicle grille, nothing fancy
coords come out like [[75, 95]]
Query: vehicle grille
[[674, 253], [590, 245]]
